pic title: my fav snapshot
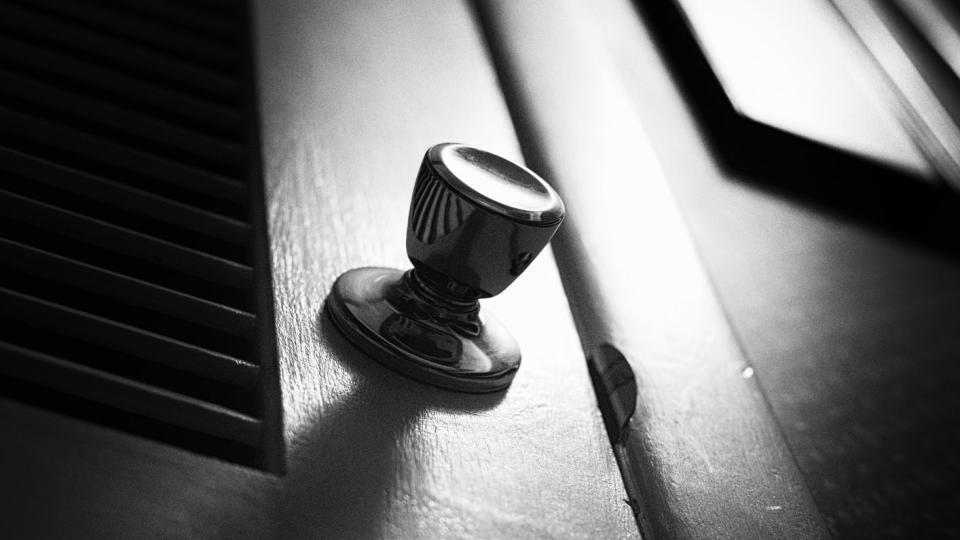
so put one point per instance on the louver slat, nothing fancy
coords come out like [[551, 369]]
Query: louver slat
[[138, 398], [78, 145], [91, 78], [134, 277], [146, 132], [125, 244], [34, 174], [125, 56], [183, 15], [112, 335], [25, 259], [193, 48]]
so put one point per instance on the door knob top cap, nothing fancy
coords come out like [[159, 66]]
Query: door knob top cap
[[496, 184], [477, 220]]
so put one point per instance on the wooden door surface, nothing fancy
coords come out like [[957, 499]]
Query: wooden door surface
[[350, 95], [753, 319]]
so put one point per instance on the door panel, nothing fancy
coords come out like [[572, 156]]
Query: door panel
[[353, 94]]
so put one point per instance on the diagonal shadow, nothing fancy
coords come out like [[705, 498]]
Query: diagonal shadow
[[354, 462]]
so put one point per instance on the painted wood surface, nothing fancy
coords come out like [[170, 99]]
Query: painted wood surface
[[704, 457], [352, 94], [846, 301]]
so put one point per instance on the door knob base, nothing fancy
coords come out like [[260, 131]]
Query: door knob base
[[387, 314]]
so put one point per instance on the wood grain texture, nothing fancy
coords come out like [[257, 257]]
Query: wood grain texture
[[847, 307], [352, 94], [703, 456]]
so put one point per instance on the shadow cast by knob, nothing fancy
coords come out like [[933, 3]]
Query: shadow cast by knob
[[356, 460]]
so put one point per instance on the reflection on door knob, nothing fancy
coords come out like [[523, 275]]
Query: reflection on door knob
[[476, 222]]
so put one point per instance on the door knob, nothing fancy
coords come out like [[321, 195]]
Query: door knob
[[476, 222]]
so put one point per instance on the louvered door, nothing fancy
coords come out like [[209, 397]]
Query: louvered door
[[134, 277]]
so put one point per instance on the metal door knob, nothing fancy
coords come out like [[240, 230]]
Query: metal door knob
[[476, 222]]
